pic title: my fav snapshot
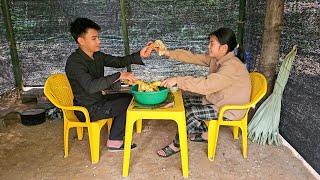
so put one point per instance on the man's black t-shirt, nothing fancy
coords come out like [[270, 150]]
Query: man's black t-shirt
[[86, 75]]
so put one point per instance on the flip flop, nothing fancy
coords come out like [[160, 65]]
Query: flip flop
[[168, 151], [198, 138], [121, 148]]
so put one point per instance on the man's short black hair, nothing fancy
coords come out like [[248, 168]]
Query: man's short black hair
[[80, 26]]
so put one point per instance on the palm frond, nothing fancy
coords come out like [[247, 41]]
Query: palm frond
[[264, 126]]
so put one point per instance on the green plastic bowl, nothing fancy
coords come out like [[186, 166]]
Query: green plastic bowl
[[149, 98]]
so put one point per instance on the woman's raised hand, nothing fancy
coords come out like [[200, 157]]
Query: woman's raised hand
[[159, 46]]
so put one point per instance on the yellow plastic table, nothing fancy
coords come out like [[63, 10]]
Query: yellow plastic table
[[175, 113]]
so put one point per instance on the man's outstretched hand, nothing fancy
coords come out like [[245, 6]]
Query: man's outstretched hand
[[145, 52], [129, 77]]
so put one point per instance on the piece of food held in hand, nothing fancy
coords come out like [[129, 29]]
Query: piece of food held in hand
[[157, 45], [160, 47]]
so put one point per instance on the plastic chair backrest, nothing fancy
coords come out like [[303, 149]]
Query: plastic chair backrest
[[58, 90], [258, 87]]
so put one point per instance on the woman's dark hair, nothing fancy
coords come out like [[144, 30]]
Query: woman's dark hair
[[225, 36], [80, 26]]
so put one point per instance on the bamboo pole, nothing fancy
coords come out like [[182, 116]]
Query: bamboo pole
[[124, 28], [12, 44], [241, 22], [271, 41]]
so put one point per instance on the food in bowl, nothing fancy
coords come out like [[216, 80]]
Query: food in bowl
[[148, 87], [144, 86], [151, 97]]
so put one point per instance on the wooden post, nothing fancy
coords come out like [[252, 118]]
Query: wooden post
[[12, 44], [124, 28], [241, 22], [271, 41]]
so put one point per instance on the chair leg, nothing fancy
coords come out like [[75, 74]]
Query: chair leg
[[80, 133], [94, 139], [235, 132], [244, 131], [109, 124], [213, 133], [66, 139]]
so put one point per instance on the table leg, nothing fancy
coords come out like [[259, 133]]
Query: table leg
[[127, 145], [139, 125], [183, 146]]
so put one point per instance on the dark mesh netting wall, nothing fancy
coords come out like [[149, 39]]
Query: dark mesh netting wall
[[255, 12], [6, 75], [42, 33], [300, 123], [300, 115], [44, 42], [179, 24]]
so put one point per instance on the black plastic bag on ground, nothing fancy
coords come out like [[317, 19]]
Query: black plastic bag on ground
[[54, 113]]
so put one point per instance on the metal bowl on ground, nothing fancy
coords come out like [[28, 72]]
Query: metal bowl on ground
[[149, 98]]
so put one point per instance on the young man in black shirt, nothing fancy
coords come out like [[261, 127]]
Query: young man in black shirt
[[85, 71]]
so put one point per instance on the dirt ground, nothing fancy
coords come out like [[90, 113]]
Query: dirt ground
[[36, 152]]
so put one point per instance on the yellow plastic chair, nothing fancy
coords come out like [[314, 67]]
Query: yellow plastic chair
[[58, 90], [258, 90]]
